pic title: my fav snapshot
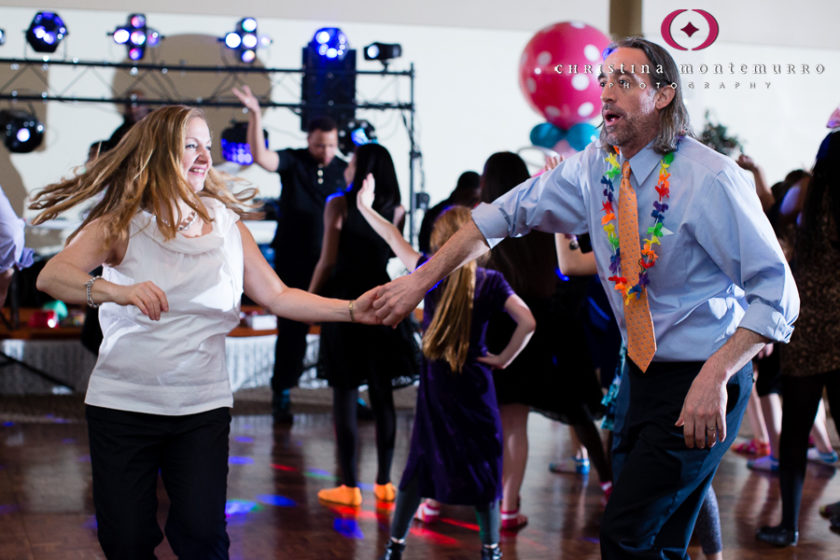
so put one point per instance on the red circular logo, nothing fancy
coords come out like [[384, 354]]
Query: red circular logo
[[687, 26]]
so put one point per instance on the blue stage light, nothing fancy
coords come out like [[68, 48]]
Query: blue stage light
[[245, 40], [355, 133], [136, 36], [21, 131], [45, 32], [235, 146], [331, 42], [121, 35]]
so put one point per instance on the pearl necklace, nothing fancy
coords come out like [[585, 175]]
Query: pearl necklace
[[185, 224]]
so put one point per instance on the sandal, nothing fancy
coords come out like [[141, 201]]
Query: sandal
[[513, 520]]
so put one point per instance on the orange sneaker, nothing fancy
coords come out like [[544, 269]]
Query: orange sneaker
[[344, 495], [385, 492]]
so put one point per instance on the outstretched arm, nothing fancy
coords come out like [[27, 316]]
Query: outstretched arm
[[385, 229], [265, 158], [399, 297], [264, 287], [525, 326]]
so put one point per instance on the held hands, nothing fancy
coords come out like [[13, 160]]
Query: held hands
[[703, 415], [395, 300], [248, 99], [146, 296], [363, 311]]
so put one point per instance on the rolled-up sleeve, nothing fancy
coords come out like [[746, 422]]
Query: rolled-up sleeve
[[744, 246], [552, 202]]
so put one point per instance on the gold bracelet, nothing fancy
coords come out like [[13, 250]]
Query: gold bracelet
[[350, 305]]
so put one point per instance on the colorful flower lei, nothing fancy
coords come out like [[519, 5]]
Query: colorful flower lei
[[648, 255]]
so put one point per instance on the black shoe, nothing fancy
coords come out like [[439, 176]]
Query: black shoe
[[488, 553], [777, 536], [281, 408], [393, 551]]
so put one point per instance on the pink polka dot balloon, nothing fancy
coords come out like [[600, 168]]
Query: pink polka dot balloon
[[566, 98]]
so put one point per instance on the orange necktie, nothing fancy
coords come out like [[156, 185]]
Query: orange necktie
[[641, 344]]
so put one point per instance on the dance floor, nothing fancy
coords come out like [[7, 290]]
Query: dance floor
[[273, 512]]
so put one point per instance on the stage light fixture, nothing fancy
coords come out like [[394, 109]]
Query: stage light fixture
[[235, 146], [245, 40], [136, 35], [331, 43], [383, 51], [355, 133], [328, 87], [22, 132], [45, 32]]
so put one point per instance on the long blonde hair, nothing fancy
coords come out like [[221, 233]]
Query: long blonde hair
[[142, 172], [448, 335]]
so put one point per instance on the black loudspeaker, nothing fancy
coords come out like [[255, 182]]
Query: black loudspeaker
[[328, 88]]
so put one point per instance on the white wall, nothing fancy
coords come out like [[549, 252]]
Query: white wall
[[780, 125], [466, 56], [467, 95]]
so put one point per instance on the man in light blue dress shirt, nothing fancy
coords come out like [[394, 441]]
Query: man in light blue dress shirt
[[720, 290], [12, 252]]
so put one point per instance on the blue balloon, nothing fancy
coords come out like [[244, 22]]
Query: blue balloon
[[546, 135], [580, 135]]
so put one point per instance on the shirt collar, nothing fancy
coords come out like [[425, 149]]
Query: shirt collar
[[643, 163]]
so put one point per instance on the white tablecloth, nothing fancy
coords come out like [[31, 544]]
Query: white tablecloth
[[249, 360]]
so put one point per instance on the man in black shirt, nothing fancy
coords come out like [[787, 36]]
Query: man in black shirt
[[308, 176]]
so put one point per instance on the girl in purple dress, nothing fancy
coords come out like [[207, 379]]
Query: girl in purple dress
[[456, 444]]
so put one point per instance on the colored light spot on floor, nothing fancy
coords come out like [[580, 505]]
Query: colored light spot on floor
[[365, 486], [239, 507], [244, 439], [8, 423], [274, 500], [90, 523], [320, 473], [459, 523], [347, 528], [433, 536], [284, 468], [239, 460], [68, 440], [6, 509]]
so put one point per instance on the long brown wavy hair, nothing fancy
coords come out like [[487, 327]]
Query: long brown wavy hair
[[143, 172], [448, 335]]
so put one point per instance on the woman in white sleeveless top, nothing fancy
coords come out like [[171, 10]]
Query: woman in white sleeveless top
[[176, 261]]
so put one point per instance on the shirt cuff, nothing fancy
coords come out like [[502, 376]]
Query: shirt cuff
[[491, 222], [768, 322]]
